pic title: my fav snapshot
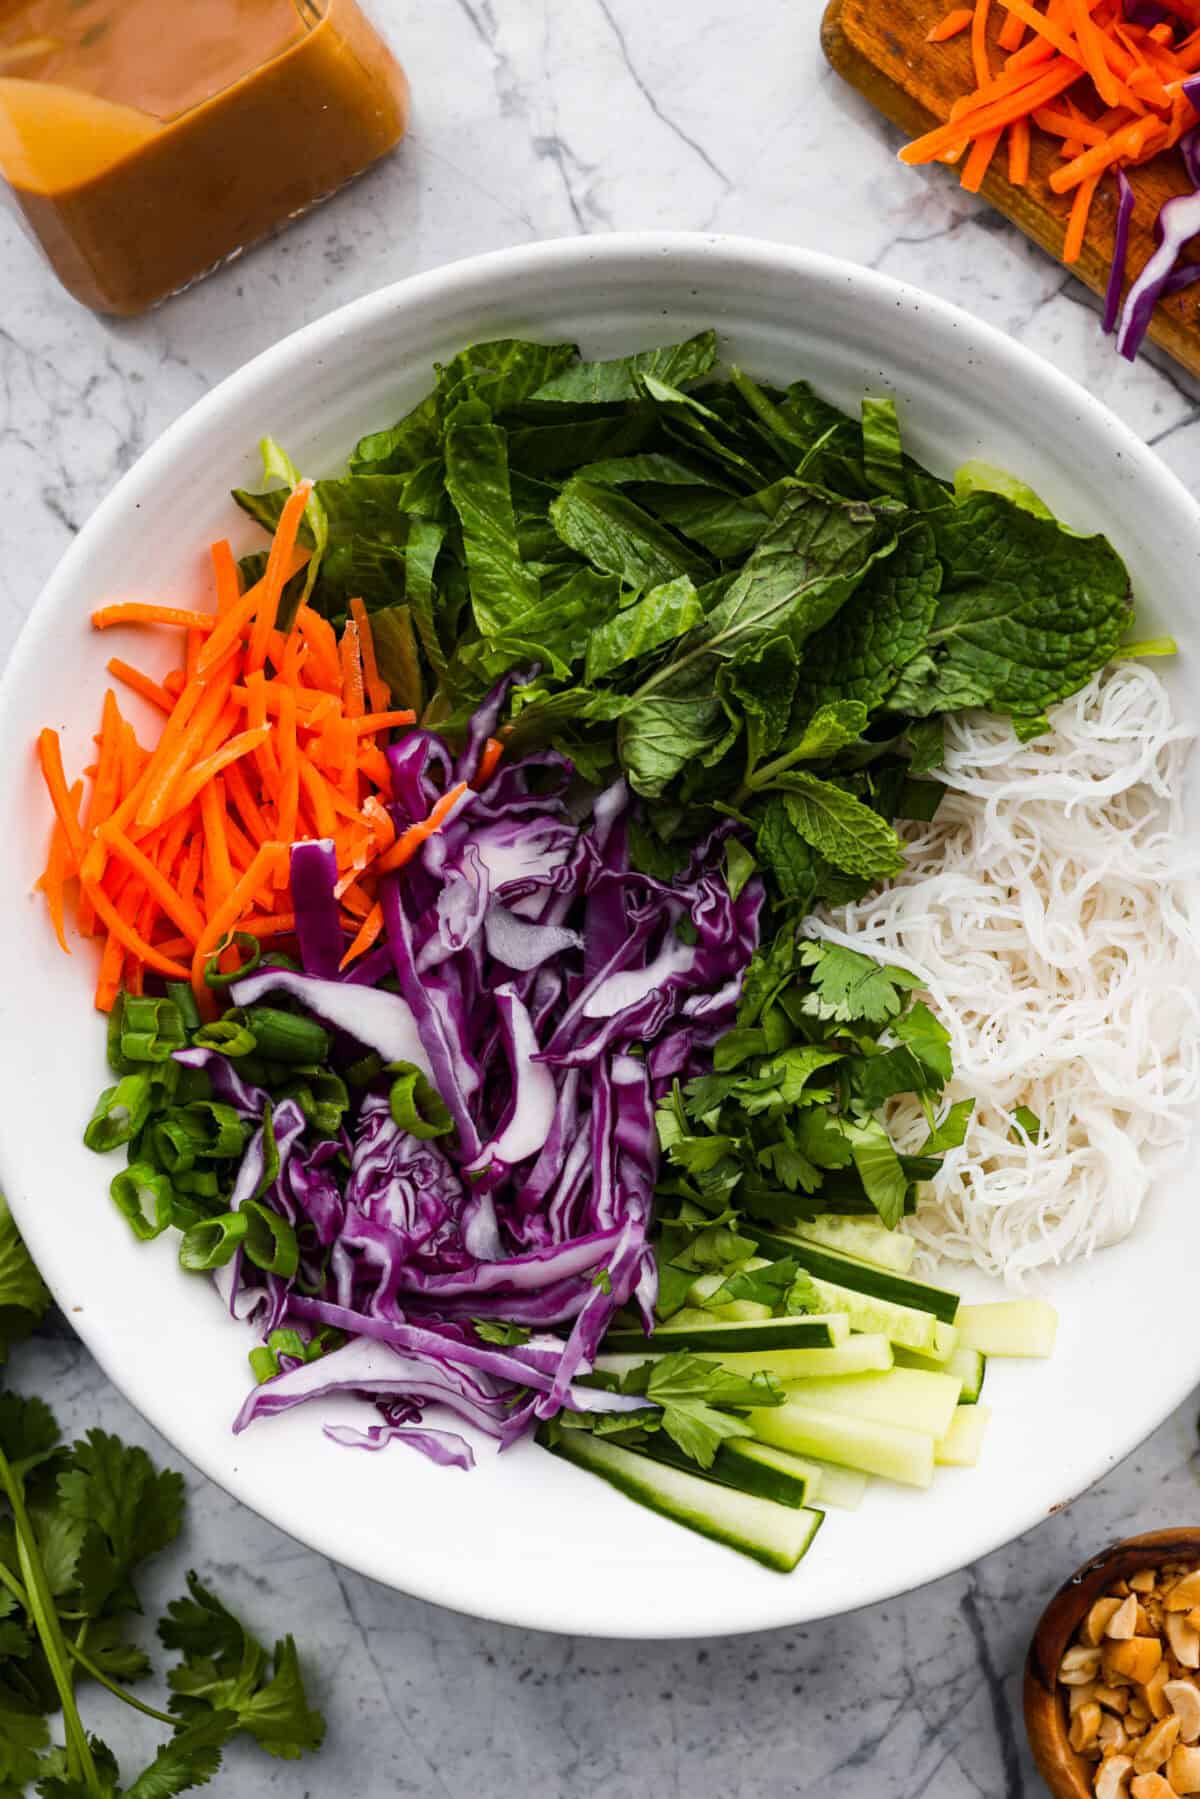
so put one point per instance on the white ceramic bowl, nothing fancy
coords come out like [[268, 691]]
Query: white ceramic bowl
[[525, 1538]]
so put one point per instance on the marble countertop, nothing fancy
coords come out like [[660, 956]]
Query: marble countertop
[[535, 119]]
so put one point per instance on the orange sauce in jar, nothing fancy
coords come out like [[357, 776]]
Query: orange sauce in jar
[[147, 141]]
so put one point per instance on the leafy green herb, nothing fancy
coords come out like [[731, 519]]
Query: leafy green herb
[[689, 1391], [23, 1296], [493, 1330]]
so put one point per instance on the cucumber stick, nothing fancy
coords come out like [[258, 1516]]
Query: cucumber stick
[[968, 1364], [904, 1326], [806, 1331], [1019, 1327], [745, 1465], [775, 1535], [960, 1446], [857, 1355], [844, 1488], [849, 1271], [860, 1237], [944, 1345], [888, 1449], [910, 1397]]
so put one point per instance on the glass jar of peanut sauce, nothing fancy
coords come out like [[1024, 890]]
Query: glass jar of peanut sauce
[[145, 142]]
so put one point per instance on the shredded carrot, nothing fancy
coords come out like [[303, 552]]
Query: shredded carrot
[[289, 767], [979, 52], [129, 938], [318, 634], [133, 678], [277, 573], [1012, 32], [410, 841], [225, 574], [319, 795], [368, 933], [977, 163], [213, 815], [493, 749], [108, 982], [226, 916], [370, 722], [1018, 152], [1077, 223], [185, 915], [50, 756], [353, 701], [956, 20], [379, 694], [194, 783], [135, 612], [1129, 141], [58, 867], [993, 117]]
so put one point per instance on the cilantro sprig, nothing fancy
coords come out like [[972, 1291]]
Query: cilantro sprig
[[790, 1123], [77, 1522]]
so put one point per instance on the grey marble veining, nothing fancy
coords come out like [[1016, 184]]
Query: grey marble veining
[[533, 119]]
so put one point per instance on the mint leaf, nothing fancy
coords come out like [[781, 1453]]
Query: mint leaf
[[618, 538], [661, 734], [659, 617], [883, 458], [1028, 612], [859, 654], [841, 828], [477, 480], [739, 866], [601, 383]]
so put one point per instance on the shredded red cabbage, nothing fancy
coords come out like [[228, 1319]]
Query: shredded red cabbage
[[550, 993]]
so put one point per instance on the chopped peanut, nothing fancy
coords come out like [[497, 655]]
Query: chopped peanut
[[1131, 1686]]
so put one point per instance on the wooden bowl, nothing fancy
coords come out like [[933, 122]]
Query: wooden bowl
[[1067, 1774]]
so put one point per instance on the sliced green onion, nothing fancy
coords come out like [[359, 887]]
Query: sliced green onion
[[143, 1197], [365, 1070], [151, 1029], [324, 1342], [250, 947], [120, 1112], [271, 1162], [286, 1341], [185, 1000], [285, 1036], [213, 1242], [113, 1037], [270, 1241], [215, 1128], [417, 1106], [276, 959], [264, 1363], [201, 1182], [228, 1035], [322, 1097], [191, 1084], [171, 1144]]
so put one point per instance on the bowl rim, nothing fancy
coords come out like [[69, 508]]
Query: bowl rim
[[538, 263]]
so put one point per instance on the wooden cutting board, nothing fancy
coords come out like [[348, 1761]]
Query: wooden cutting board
[[879, 47]]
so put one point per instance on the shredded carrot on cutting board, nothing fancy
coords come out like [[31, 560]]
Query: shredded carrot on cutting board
[[266, 737], [1104, 90]]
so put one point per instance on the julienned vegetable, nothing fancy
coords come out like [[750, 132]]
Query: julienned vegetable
[[679, 661], [1115, 86]]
